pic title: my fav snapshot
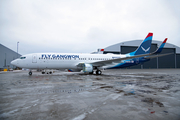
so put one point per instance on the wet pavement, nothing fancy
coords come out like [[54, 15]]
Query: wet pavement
[[116, 94]]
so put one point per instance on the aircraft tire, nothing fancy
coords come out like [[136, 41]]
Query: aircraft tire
[[98, 72], [43, 72], [30, 73]]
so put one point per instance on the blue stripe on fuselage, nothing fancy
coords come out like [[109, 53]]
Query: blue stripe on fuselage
[[131, 62]]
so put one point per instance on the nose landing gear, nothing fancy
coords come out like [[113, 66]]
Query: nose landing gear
[[30, 72]]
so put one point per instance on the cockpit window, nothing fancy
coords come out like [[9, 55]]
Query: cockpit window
[[22, 57]]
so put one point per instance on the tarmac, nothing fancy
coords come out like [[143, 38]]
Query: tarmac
[[124, 94]]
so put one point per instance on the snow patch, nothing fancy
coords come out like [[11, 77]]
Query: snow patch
[[113, 96], [80, 117], [92, 111]]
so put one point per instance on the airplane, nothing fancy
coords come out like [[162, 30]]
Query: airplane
[[89, 62]]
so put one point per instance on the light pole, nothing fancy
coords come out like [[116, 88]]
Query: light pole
[[17, 49]]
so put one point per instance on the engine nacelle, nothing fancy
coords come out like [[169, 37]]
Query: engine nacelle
[[87, 68]]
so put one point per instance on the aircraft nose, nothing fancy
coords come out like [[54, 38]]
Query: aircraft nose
[[13, 62]]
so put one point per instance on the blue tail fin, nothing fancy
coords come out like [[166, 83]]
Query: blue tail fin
[[145, 46]]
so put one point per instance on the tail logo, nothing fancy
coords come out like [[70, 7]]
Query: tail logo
[[145, 50]]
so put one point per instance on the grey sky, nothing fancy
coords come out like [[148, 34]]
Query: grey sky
[[85, 25]]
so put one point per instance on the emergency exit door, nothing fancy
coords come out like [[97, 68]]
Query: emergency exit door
[[34, 58]]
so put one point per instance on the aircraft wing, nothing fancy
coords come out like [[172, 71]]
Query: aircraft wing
[[158, 51], [118, 60], [159, 55]]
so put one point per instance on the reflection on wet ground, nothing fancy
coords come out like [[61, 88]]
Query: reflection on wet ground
[[125, 94]]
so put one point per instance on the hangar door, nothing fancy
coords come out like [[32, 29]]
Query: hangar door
[[167, 61], [34, 58]]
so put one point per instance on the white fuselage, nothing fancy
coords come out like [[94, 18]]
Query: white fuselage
[[60, 60]]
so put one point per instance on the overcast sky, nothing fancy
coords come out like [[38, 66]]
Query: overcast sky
[[83, 26]]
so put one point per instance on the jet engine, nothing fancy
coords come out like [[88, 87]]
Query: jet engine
[[87, 68]]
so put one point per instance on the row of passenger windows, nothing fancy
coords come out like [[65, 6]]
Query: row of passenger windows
[[78, 58]]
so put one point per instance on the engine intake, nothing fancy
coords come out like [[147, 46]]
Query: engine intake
[[87, 68]]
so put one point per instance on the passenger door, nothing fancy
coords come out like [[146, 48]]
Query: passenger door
[[34, 58]]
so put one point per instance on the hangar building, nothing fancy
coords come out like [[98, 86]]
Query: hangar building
[[7, 55], [169, 61]]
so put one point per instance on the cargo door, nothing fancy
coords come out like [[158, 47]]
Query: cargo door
[[34, 58]]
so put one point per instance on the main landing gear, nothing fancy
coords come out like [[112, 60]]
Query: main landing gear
[[47, 72], [98, 72]]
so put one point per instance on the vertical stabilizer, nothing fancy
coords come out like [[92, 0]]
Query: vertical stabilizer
[[145, 46]]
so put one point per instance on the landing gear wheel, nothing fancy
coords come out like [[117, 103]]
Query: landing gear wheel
[[30, 72], [98, 72], [43, 72]]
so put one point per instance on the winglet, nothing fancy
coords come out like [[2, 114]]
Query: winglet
[[165, 40], [161, 47]]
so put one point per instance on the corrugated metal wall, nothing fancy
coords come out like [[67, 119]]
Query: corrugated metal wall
[[7, 55], [178, 60], [167, 61]]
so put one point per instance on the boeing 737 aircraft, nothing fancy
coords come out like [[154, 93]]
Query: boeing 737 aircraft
[[89, 62]]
